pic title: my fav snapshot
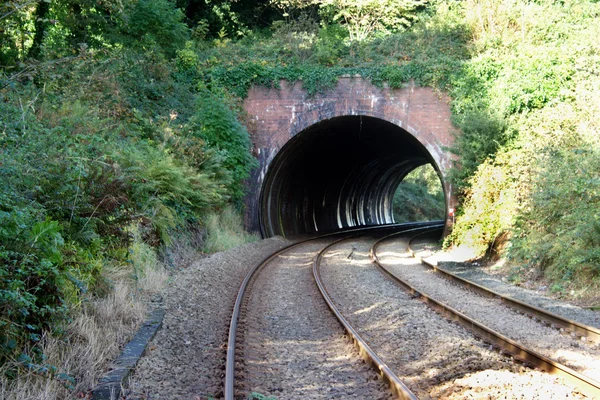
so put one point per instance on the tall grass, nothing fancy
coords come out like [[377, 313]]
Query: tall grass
[[73, 362], [225, 230]]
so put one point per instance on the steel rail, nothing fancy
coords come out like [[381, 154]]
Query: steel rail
[[588, 386], [589, 332], [229, 389], [398, 387]]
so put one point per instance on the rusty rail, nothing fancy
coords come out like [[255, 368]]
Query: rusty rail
[[587, 385], [398, 387], [589, 332]]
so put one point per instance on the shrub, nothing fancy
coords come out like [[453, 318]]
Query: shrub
[[218, 126]]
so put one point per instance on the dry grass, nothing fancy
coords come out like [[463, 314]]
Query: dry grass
[[99, 329]]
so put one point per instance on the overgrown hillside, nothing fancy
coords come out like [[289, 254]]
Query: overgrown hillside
[[109, 152], [120, 130], [535, 197]]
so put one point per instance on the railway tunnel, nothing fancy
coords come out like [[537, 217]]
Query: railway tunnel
[[333, 160], [338, 173]]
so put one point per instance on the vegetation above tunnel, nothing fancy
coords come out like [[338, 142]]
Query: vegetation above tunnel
[[120, 126]]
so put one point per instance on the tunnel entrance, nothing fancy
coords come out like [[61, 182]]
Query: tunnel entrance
[[338, 173]]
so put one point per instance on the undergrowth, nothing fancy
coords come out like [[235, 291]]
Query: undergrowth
[[102, 159], [224, 230]]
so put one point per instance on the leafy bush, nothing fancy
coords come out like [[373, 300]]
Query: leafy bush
[[559, 232], [218, 126], [479, 138]]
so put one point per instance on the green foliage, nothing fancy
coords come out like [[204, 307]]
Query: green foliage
[[104, 152], [559, 232], [488, 208], [534, 192], [218, 126], [367, 19], [155, 23], [431, 53], [109, 145], [480, 137], [46, 30], [419, 197], [77, 22], [16, 23]]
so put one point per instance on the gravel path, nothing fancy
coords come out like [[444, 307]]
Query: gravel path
[[185, 360], [293, 346], [582, 356], [434, 357]]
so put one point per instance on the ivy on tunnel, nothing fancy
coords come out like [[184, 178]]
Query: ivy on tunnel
[[336, 174]]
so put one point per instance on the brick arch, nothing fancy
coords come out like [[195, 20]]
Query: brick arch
[[278, 114]]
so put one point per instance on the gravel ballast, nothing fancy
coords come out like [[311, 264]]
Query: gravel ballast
[[293, 347], [434, 357], [185, 360]]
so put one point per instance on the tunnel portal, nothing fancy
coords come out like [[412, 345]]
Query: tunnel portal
[[333, 160], [338, 173]]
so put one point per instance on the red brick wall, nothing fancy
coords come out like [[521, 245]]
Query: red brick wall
[[279, 114]]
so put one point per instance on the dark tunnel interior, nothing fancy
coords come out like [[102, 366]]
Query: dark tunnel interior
[[336, 174]]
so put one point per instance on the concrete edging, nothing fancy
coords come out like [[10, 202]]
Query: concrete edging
[[109, 386]]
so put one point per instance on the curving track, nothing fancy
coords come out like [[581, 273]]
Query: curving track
[[531, 334], [290, 346]]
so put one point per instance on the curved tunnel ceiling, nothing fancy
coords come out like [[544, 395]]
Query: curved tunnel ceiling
[[338, 173]]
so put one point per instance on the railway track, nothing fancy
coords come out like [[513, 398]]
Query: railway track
[[293, 351], [235, 366]]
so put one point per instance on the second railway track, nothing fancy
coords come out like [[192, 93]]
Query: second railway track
[[434, 357]]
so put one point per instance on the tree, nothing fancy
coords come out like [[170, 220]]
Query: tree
[[41, 21], [364, 18], [16, 23]]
